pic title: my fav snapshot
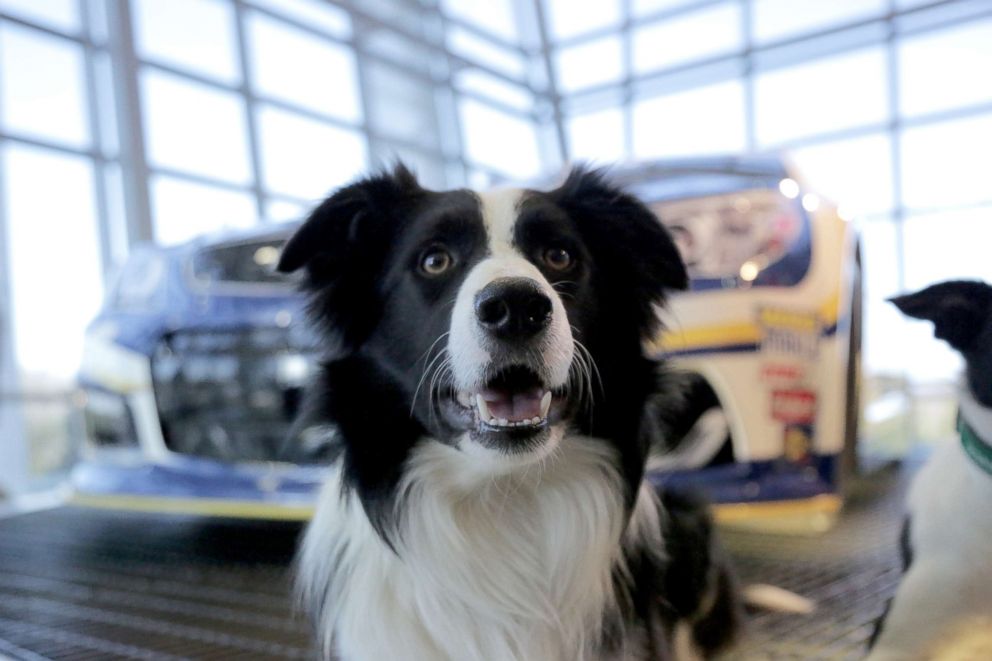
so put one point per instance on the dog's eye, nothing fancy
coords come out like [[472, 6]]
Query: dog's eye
[[436, 261], [558, 259]]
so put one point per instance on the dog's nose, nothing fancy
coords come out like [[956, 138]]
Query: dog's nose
[[513, 309]]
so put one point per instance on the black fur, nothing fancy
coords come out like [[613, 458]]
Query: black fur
[[961, 312], [384, 323], [906, 558]]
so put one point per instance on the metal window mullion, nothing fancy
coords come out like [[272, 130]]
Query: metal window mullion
[[750, 102], [81, 37], [14, 452], [104, 229], [250, 103], [371, 21], [753, 50], [364, 89], [884, 126], [42, 143], [134, 163], [205, 180], [483, 34], [454, 133], [406, 143], [255, 97], [898, 211], [550, 73], [627, 46], [895, 129], [941, 23], [654, 17]]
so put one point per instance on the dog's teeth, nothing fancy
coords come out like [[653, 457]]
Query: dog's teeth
[[502, 422], [465, 399], [484, 413], [535, 420], [545, 404]]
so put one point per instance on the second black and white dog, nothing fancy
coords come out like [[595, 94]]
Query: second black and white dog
[[486, 394], [943, 607]]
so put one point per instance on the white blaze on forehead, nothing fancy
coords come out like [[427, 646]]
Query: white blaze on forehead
[[499, 214], [469, 347]]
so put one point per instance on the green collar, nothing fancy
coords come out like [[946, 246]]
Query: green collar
[[976, 448]]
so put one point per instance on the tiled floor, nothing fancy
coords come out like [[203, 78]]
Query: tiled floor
[[851, 572], [81, 584]]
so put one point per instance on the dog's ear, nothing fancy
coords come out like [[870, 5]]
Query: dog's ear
[[342, 247], [644, 262], [959, 310], [337, 224]]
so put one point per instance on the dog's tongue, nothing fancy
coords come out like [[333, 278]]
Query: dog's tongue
[[513, 405]]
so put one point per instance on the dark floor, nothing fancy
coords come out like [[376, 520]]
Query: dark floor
[[81, 584], [851, 572]]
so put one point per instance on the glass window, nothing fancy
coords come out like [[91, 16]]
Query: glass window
[[404, 106], [827, 94], [778, 19], [58, 14], [882, 321], [280, 211], [499, 141], [945, 70], [46, 100], [397, 48], [947, 164], [494, 16], [306, 159], [949, 245], [48, 336], [479, 51], [648, 7], [398, 12], [698, 35], [183, 210], [597, 136], [107, 109], [113, 186], [706, 120], [317, 13], [855, 174], [473, 80], [189, 34], [428, 168], [589, 64], [293, 66], [195, 128], [568, 18]]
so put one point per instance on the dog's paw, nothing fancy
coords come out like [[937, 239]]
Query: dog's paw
[[779, 600]]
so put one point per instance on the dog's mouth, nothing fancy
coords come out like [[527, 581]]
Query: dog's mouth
[[514, 397], [513, 402]]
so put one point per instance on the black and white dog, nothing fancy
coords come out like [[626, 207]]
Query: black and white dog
[[943, 607], [486, 393]]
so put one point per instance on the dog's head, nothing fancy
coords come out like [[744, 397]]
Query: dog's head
[[487, 311], [961, 312]]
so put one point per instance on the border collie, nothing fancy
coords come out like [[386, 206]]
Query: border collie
[[943, 607], [487, 500]]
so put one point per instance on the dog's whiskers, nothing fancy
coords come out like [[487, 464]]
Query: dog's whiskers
[[423, 376], [441, 373]]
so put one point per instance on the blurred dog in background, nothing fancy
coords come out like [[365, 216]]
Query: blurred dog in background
[[943, 607]]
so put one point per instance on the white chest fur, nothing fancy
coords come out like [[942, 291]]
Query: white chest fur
[[950, 579], [490, 569]]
